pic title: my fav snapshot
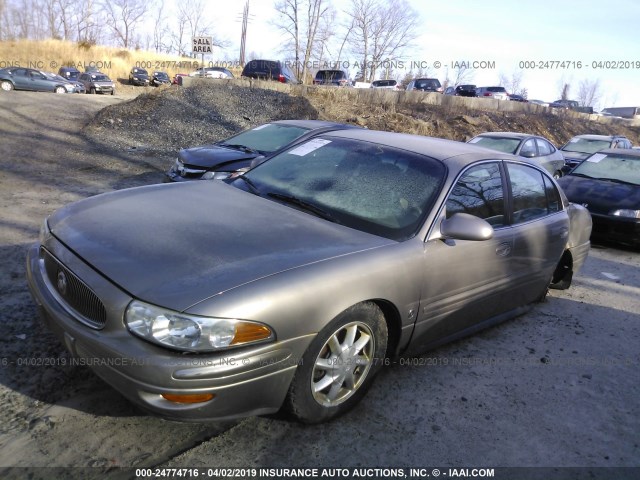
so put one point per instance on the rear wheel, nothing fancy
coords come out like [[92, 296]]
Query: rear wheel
[[339, 365], [6, 85], [563, 273], [557, 174]]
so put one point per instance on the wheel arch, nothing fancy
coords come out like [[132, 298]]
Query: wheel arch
[[394, 323], [563, 274]]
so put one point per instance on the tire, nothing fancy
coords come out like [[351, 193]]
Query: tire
[[6, 85], [60, 90], [92, 91], [113, 92], [339, 365], [557, 174]]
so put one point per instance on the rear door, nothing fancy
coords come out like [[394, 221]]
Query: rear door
[[540, 229]]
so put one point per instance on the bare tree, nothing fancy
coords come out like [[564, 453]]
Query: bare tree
[[589, 93], [122, 16], [381, 32], [512, 84], [306, 25]]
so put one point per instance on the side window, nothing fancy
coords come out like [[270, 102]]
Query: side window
[[479, 192], [554, 201], [529, 148], [529, 193], [544, 148]]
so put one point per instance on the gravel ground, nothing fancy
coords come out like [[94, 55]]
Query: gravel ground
[[557, 387]]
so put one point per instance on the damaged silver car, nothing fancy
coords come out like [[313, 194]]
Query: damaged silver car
[[291, 286]]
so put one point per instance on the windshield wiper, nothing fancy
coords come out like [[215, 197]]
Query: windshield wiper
[[617, 180], [248, 181], [237, 146], [581, 175], [310, 207]]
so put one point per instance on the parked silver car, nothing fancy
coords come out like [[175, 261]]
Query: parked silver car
[[96, 82], [292, 285], [497, 93], [30, 79], [538, 149]]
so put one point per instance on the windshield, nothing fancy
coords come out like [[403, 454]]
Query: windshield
[[160, 75], [584, 145], [100, 78], [611, 167], [501, 144], [267, 138], [369, 187]]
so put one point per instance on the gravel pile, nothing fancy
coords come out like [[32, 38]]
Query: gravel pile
[[167, 119]]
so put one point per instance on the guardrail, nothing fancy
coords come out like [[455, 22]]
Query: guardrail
[[415, 99]]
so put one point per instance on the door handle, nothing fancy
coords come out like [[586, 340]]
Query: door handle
[[503, 249]]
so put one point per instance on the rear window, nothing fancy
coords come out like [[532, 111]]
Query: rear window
[[384, 83], [261, 66], [428, 83], [330, 75], [496, 89]]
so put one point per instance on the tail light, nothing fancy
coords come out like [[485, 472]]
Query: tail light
[[281, 79], [487, 94]]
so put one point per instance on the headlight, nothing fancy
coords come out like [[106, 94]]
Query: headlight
[[215, 175], [69, 87], [626, 213], [190, 332]]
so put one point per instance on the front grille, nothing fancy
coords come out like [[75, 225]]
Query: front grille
[[74, 292]]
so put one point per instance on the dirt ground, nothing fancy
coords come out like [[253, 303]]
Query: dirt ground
[[557, 387]]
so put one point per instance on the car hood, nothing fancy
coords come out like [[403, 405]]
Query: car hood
[[214, 156], [175, 245], [600, 196]]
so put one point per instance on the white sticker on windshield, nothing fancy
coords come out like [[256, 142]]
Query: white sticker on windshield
[[261, 127], [596, 157], [310, 146]]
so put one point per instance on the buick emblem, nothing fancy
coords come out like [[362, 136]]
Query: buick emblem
[[62, 282]]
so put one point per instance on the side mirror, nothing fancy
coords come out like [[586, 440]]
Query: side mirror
[[462, 226]]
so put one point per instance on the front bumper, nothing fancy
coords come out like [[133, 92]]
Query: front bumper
[[246, 381], [616, 229]]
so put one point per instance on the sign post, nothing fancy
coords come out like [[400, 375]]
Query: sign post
[[202, 45]]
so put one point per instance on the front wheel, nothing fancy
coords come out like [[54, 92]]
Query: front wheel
[[6, 85], [60, 90], [92, 91], [339, 365], [557, 174]]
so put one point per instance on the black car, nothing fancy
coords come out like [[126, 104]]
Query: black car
[[581, 146], [338, 78], [517, 98], [425, 85], [269, 70], [608, 184], [159, 78], [139, 76], [70, 73], [461, 91], [240, 152]]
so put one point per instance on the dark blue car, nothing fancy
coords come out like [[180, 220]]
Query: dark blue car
[[608, 184]]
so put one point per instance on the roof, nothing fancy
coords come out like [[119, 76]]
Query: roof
[[599, 137], [627, 152], [517, 135], [313, 124], [437, 148]]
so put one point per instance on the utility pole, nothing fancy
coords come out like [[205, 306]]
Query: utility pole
[[243, 39]]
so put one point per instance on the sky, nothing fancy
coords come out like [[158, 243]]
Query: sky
[[547, 42]]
